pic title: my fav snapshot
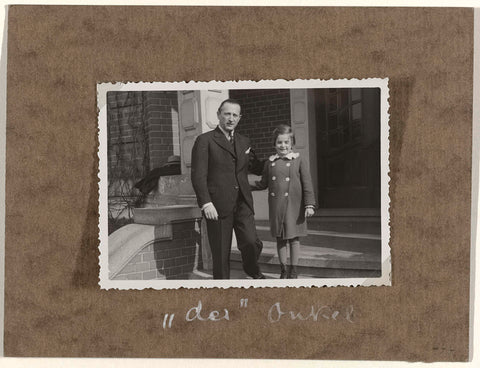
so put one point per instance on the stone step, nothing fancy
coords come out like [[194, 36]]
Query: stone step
[[236, 273], [322, 261], [336, 247], [323, 254], [349, 242], [272, 271], [342, 223]]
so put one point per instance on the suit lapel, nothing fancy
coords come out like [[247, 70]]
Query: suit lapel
[[240, 148], [222, 141]]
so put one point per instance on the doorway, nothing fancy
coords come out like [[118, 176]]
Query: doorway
[[348, 147]]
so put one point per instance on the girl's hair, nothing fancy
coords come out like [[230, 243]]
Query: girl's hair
[[283, 129]]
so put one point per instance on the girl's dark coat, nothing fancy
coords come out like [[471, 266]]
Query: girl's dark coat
[[290, 189]]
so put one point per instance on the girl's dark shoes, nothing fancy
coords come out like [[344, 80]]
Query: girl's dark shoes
[[292, 272]]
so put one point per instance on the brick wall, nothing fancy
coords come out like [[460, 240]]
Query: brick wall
[[126, 135], [142, 133], [161, 117], [142, 130], [262, 111], [173, 258]]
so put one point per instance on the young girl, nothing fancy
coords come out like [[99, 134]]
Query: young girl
[[290, 197]]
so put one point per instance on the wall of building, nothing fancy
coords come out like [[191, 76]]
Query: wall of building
[[142, 133], [161, 117], [142, 127], [175, 257], [127, 141], [262, 111]]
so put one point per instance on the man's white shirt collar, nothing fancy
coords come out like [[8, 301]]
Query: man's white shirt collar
[[227, 134], [290, 156]]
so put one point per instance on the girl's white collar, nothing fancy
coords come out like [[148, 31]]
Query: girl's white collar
[[290, 156]]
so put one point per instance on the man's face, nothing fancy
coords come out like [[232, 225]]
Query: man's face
[[229, 116]]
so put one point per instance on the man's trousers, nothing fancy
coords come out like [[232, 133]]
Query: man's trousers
[[241, 221]]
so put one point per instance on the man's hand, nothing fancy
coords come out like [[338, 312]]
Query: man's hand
[[309, 212], [210, 212], [252, 179]]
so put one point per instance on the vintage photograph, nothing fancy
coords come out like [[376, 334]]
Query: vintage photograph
[[220, 184]]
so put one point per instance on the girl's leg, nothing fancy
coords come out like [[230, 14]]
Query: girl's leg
[[282, 256], [294, 256]]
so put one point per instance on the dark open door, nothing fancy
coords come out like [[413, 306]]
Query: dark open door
[[348, 146]]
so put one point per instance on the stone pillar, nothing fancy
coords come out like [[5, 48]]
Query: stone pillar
[[302, 102]]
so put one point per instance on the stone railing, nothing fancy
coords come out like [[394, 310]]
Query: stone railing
[[167, 239]]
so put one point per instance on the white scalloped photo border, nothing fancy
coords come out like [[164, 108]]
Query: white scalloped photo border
[[103, 88]]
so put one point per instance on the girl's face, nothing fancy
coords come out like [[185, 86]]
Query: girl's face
[[283, 144]]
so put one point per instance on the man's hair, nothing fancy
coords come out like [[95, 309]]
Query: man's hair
[[229, 100], [283, 129]]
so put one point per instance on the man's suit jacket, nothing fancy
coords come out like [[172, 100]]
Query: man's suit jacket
[[220, 170]]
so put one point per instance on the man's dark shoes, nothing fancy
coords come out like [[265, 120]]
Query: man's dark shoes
[[259, 276]]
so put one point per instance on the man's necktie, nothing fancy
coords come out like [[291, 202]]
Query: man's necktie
[[230, 138]]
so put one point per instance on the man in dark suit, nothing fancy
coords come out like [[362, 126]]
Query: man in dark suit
[[220, 162]]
